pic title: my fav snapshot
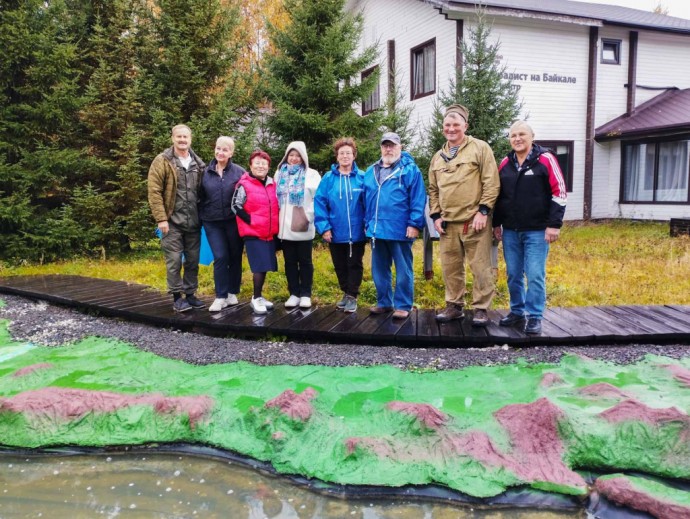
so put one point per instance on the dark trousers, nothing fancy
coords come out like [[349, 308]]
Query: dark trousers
[[227, 247], [299, 269], [347, 261], [181, 246]]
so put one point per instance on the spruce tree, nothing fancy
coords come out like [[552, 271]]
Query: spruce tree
[[493, 102], [41, 151], [313, 79]]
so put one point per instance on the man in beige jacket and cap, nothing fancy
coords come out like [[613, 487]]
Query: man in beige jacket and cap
[[463, 187]]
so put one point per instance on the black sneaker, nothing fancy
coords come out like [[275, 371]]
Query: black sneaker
[[533, 326], [194, 301], [181, 305], [511, 319]]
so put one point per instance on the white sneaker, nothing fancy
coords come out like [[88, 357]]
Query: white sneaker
[[292, 302], [218, 304], [267, 304], [305, 302], [232, 300], [258, 305]]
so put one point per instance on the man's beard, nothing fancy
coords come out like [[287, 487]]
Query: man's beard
[[390, 161]]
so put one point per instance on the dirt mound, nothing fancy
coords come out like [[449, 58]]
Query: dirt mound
[[294, 405], [620, 490], [30, 369], [72, 404], [425, 413]]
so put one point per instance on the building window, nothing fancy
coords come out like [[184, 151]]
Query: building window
[[423, 69], [563, 150], [611, 51], [373, 102], [656, 172]]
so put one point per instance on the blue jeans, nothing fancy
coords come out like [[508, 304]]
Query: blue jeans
[[525, 253], [383, 254], [227, 247]]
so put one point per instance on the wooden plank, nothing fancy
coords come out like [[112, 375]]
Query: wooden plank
[[553, 316], [450, 333], [325, 327], [685, 310], [151, 314], [112, 296], [390, 327], [578, 325], [427, 326], [661, 324], [630, 322], [473, 334], [665, 314], [625, 328], [305, 328], [283, 326], [504, 333], [242, 319], [58, 286], [368, 326], [551, 332], [604, 327], [43, 281], [581, 326], [407, 334], [350, 325], [155, 298]]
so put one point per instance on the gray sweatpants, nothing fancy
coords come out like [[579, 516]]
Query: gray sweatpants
[[176, 244]]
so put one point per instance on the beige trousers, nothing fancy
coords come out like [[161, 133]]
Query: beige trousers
[[462, 241]]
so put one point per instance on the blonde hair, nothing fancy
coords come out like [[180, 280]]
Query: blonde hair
[[224, 139], [520, 124]]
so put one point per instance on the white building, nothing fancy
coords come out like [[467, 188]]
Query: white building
[[602, 85]]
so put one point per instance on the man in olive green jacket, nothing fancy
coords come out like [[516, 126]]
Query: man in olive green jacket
[[463, 187], [173, 186]]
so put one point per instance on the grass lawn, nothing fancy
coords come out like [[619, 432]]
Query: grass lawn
[[608, 263]]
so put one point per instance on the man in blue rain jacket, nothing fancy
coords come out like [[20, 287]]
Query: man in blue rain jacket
[[395, 198]]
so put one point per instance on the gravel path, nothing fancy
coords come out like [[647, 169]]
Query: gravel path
[[50, 325]]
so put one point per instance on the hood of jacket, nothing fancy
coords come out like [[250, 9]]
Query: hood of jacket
[[301, 148]]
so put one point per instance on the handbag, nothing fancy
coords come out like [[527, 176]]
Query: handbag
[[300, 222]]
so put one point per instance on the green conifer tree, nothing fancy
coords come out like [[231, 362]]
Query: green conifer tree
[[40, 134], [493, 102], [313, 79]]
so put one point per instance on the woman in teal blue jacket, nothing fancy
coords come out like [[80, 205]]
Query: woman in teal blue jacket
[[339, 219]]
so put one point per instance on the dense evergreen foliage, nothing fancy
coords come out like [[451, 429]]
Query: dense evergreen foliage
[[89, 90], [313, 81]]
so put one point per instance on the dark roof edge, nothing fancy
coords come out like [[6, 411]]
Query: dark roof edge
[[651, 133], [445, 4], [681, 32]]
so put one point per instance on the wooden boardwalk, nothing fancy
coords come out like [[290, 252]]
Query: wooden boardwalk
[[322, 323]]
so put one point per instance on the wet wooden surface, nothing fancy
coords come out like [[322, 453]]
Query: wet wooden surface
[[323, 323]]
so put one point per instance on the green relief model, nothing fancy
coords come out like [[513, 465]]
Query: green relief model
[[478, 430]]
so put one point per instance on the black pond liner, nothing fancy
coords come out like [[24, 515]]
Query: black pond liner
[[523, 497]]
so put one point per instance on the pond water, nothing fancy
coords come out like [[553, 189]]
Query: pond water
[[155, 485]]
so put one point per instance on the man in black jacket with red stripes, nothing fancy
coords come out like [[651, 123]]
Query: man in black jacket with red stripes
[[528, 218]]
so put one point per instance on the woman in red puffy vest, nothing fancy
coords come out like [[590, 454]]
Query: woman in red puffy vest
[[256, 207]]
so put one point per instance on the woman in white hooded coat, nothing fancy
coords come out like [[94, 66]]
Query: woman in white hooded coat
[[296, 186]]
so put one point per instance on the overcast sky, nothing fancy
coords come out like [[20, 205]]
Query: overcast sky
[[678, 8]]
